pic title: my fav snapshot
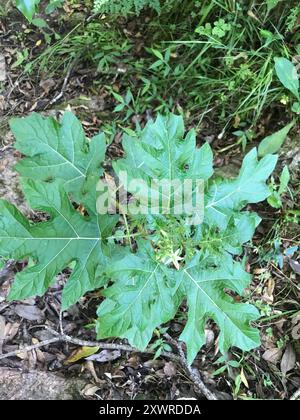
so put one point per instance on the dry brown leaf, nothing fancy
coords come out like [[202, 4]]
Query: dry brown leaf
[[31, 313], [268, 291], [11, 330], [89, 390], [170, 369], [295, 266], [272, 355], [288, 360], [47, 85], [296, 327], [105, 356], [258, 271], [89, 365], [244, 379], [209, 337]]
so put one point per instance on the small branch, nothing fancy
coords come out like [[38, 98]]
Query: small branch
[[83, 343], [295, 396], [181, 359], [109, 346], [66, 80], [193, 373], [30, 348]]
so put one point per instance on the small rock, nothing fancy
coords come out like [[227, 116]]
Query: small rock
[[36, 385]]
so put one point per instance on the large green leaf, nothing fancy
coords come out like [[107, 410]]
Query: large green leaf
[[273, 143], [27, 7], [207, 299], [161, 155], [53, 245], [288, 75], [228, 196], [144, 295], [162, 152], [57, 150], [59, 159]]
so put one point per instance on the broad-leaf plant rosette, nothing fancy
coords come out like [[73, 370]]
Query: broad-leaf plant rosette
[[166, 263]]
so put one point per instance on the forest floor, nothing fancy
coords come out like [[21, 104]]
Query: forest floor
[[269, 372]]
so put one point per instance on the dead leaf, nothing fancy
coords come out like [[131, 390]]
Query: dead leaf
[[244, 379], [170, 369], [23, 355], [258, 271], [11, 330], [272, 355], [31, 313], [47, 85], [89, 365], [209, 337], [252, 15], [81, 353], [2, 68], [90, 390], [105, 356], [295, 266], [268, 291], [288, 360], [296, 327]]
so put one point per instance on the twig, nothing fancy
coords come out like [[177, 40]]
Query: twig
[[30, 348], [296, 395], [66, 80], [181, 359], [108, 346], [193, 373], [61, 328], [104, 346]]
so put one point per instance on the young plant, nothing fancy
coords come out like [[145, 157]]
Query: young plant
[[278, 190], [163, 261]]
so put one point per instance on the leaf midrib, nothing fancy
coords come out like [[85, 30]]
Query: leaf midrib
[[214, 303]]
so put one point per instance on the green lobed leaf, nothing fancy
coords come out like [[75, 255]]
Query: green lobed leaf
[[53, 245], [57, 150], [59, 160], [206, 299], [143, 296], [162, 152], [228, 196]]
